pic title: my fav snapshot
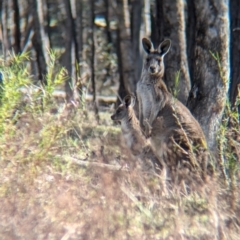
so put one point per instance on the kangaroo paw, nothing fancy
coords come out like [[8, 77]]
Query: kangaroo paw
[[147, 128]]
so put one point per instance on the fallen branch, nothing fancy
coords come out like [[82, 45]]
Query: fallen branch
[[93, 164], [62, 94]]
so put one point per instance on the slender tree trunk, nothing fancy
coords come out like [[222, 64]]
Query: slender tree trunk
[[27, 21], [40, 38], [71, 57], [74, 26], [79, 43], [128, 66], [156, 22], [235, 50], [48, 16], [93, 60], [136, 26], [67, 55], [147, 18], [107, 17], [109, 39], [210, 63], [79, 27], [122, 92], [4, 25], [171, 19], [16, 28]]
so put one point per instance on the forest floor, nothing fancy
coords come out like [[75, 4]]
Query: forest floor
[[65, 176]]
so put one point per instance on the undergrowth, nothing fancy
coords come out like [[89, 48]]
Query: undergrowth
[[66, 176]]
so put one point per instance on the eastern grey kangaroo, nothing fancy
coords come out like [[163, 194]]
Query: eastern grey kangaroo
[[132, 133], [152, 72], [175, 134]]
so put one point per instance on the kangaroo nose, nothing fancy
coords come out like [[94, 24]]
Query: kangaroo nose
[[112, 117], [152, 69]]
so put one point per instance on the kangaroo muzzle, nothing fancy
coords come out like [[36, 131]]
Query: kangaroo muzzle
[[152, 69]]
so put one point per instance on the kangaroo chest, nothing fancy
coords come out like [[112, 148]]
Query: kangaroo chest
[[146, 93], [150, 99], [133, 136]]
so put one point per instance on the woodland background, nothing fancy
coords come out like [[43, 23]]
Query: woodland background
[[100, 43], [65, 171]]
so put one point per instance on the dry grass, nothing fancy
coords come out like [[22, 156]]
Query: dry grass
[[46, 194]]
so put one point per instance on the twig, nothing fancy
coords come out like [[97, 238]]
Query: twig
[[93, 164], [191, 154], [136, 202]]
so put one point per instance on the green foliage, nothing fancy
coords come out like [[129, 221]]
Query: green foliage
[[15, 76], [227, 137], [217, 58], [22, 101], [55, 76]]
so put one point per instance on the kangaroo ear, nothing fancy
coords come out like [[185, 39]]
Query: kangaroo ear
[[129, 100], [164, 47], [147, 45]]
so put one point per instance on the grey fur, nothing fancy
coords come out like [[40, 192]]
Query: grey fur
[[176, 135]]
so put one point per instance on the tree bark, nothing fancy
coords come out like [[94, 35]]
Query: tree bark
[[95, 104], [4, 27], [136, 25], [235, 50], [71, 57], [16, 29], [107, 17], [48, 16], [147, 18], [109, 39], [170, 24], [122, 92], [128, 66], [79, 27], [209, 63], [156, 22], [40, 39]]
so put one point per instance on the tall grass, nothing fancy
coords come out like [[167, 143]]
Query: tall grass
[[47, 191]]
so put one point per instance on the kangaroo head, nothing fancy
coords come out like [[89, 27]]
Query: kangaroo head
[[124, 108], [154, 64]]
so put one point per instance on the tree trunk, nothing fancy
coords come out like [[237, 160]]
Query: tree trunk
[[67, 55], [171, 19], [71, 58], [16, 29], [27, 21], [136, 21], [71, 51], [48, 16], [210, 63], [122, 92], [40, 38], [4, 28], [107, 17], [147, 19], [128, 66], [109, 39], [156, 22], [235, 50], [93, 61], [79, 27]]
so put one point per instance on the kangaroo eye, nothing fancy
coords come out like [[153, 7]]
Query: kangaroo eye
[[147, 60], [159, 61]]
